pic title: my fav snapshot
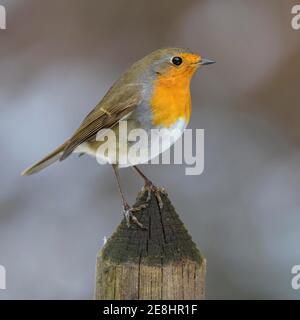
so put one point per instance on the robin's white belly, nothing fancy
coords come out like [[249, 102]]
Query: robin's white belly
[[140, 146]]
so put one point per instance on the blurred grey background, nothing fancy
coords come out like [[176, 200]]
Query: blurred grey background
[[58, 58]]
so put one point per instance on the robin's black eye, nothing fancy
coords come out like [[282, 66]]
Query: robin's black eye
[[177, 61]]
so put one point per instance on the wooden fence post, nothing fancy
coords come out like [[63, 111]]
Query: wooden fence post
[[159, 263]]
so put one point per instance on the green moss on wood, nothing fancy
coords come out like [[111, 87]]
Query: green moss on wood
[[165, 240]]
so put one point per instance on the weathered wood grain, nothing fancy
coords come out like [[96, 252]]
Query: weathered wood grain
[[159, 263]]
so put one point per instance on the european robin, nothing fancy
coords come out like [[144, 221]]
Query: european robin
[[154, 93]]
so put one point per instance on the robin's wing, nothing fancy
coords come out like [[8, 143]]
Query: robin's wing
[[116, 104]]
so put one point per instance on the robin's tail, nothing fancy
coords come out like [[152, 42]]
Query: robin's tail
[[49, 159]]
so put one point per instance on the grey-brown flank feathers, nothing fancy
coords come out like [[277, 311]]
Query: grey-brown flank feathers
[[122, 98]]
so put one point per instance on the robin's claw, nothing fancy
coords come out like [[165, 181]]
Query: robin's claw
[[151, 188], [127, 217], [130, 218]]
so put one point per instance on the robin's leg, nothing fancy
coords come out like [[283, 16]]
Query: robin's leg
[[150, 187], [128, 211]]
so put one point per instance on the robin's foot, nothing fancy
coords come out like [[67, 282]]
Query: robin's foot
[[130, 217], [151, 188]]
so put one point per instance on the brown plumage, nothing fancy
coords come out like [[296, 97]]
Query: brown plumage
[[120, 100], [134, 90]]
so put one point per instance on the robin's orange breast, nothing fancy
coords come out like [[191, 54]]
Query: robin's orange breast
[[171, 100]]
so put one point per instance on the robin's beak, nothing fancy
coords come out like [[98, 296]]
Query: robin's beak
[[206, 62]]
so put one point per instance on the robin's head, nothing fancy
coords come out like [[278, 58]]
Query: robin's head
[[174, 62]]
